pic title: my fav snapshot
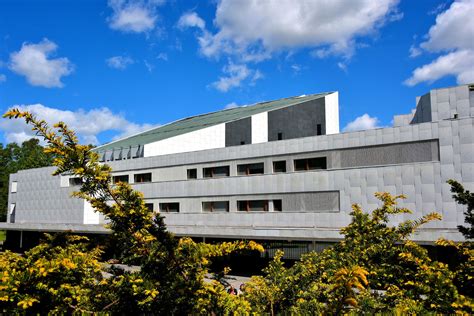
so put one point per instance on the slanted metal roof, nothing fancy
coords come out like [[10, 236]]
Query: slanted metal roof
[[197, 122]]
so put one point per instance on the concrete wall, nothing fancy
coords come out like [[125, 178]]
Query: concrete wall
[[206, 138], [297, 121], [238, 132]]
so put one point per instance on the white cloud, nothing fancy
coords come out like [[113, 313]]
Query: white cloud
[[33, 61], [235, 74], [459, 64], [255, 29], [87, 124], [453, 37], [191, 19], [3, 78], [231, 105], [414, 51], [162, 56], [362, 123], [119, 62], [133, 16]]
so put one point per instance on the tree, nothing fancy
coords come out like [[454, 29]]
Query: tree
[[172, 270], [374, 269], [14, 158], [464, 197]]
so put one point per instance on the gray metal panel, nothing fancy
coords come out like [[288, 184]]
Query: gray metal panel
[[297, 121], [388, 154], [238, 131]]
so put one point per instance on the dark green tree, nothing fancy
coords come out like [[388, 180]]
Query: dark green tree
[[464, 197], [13, 158]]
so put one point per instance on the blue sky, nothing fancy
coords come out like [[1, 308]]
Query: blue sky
[[113, 68]]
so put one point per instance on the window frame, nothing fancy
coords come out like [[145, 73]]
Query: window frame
[[167, 209], [137, 179], [279, 161]]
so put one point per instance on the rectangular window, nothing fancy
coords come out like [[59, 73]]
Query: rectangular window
[[12, 212], [149, 206], [279, 166], [277, 206], [169, 207], [215, 206], [123, 178], [75, 182], [142, 177], [192, 173], [251, 168], [14, 186], [311, 164], [215, 172], [318, 129], [252, 206], [280, 136]]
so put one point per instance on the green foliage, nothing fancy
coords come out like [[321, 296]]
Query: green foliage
[[57, 276], [374, 269], [464, 197], [14, 158]]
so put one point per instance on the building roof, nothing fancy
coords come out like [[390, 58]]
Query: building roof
[[197, 122]]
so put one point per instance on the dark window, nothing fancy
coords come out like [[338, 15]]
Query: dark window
[[75, 181], [252, 206], [214, 172], [149, 206], [215, 206], [318, 129], [277, 206], [280, 136], [242, 143], [143, 177], [117, 179], [192, 174], [251, 168], [279, 166], [310, 164], [169, 207]]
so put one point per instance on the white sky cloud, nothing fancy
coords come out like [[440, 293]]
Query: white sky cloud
[[119, 62], [361, 123], [254, 29], [235, 74], [191, 19], [87, 124], [453, 36], [133, 16], [231, 105], [35, 63], [3, 78]]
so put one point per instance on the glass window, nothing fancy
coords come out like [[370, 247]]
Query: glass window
[[75, 181], [311, 164], [143, 177], [14, 186], [215, 206], [252, 206], [169, 207], [192, 173], [149, 206], [279, 166], [248, 169], [214, 172], [277, 205], [123, 178]]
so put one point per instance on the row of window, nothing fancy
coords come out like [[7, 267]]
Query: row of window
[[258, 168], [223, 206], [224, 171]]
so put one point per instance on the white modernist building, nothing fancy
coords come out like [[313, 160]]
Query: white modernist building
[[278, 170]]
